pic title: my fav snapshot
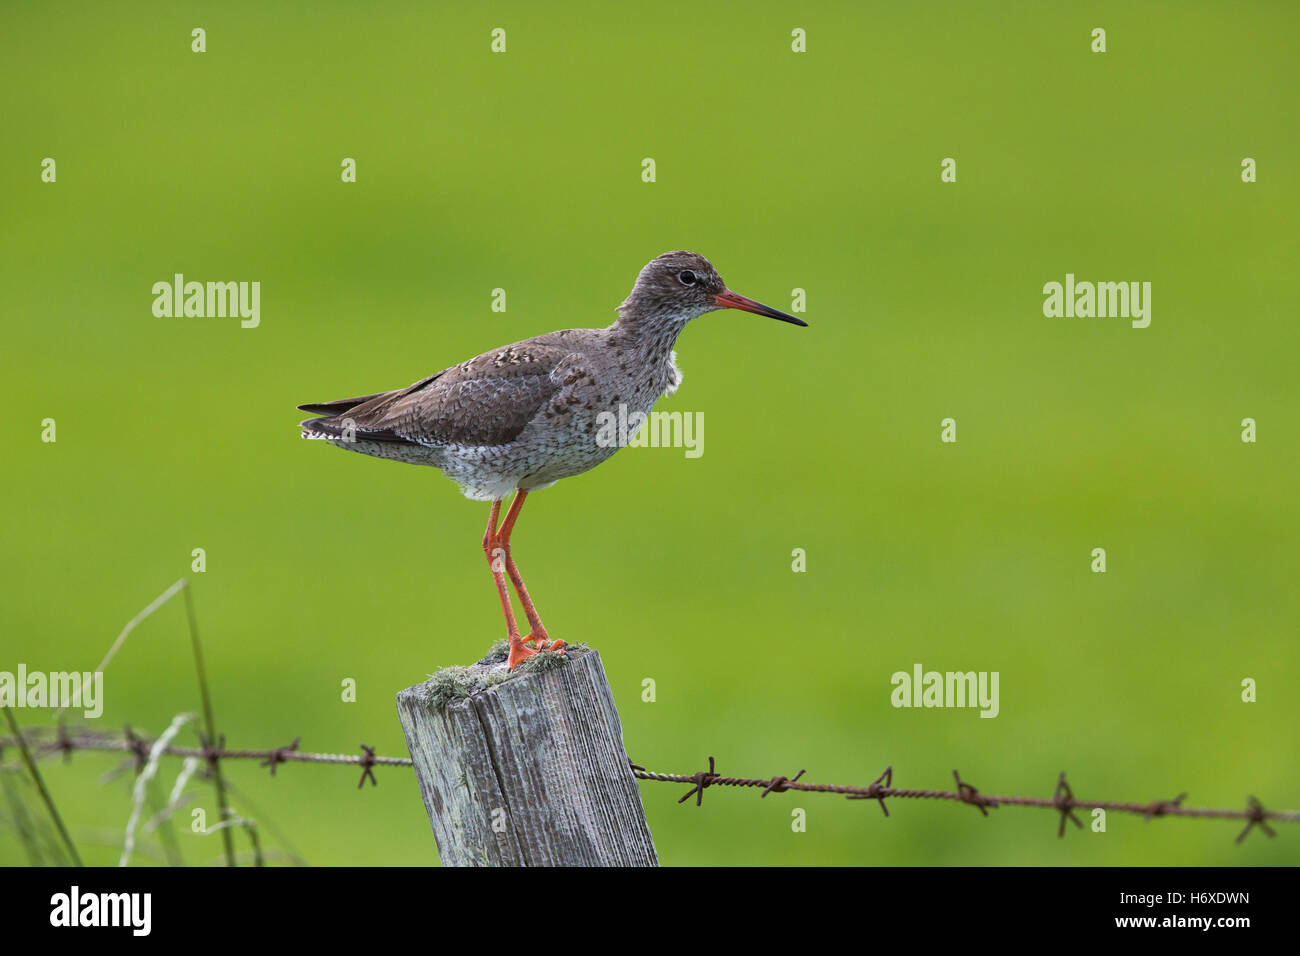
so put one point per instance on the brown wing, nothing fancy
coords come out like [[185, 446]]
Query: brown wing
[[485, 401]]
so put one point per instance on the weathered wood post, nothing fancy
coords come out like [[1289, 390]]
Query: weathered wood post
[[526, 770]]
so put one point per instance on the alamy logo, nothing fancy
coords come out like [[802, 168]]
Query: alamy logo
[[656, 430], [952, 689], [1085, 300], [62, 689], [208, 300], [103, 909]]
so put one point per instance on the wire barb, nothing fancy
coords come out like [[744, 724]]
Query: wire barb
[[1064, 799], [277, 756], [780, 784], [367, 764], [65, 742], [968, 794], [702, 780], [138, 746], [1160, 807], [1257, 816], [876, 791], [210, 753]]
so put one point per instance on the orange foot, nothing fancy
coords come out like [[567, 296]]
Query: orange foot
[[520, 653], [544, 643]]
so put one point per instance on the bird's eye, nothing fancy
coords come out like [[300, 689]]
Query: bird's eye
[[687, 277]]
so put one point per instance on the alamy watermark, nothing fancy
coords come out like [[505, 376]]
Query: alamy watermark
[[656, 430], [951, 689], [208, 300], [1086, 300], [132, 911], [61, 689]]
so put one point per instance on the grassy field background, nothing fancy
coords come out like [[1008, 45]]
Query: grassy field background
[[819, 171]]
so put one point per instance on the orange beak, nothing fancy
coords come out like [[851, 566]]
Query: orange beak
[[732, 300]]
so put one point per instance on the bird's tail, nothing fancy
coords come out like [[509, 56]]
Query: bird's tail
[[334, 416], [323, 428]]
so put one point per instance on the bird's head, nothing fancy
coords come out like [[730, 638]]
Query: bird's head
[[679, 286]]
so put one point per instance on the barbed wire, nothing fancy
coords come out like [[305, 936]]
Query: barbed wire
[[45, 741], [1063, 800]]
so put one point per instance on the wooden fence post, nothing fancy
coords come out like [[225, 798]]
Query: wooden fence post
[[529, 771]]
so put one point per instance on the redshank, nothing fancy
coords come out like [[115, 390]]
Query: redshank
[[520, 418]]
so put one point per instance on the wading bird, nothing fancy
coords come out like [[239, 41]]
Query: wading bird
[[520, 418]]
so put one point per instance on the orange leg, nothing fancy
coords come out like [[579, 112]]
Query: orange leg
[[537, 631], [494, 551]]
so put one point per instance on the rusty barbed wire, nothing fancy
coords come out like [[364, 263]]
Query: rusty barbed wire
[[45, 741], [1062, 801]]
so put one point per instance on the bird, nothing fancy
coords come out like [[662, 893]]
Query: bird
[[519, 418]]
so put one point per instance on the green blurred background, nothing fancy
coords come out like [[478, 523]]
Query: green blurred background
[[816, 170]]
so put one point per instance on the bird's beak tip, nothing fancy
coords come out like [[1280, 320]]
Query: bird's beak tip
[[732, 300]]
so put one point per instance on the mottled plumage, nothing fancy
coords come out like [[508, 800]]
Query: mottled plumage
[[525, 415]]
